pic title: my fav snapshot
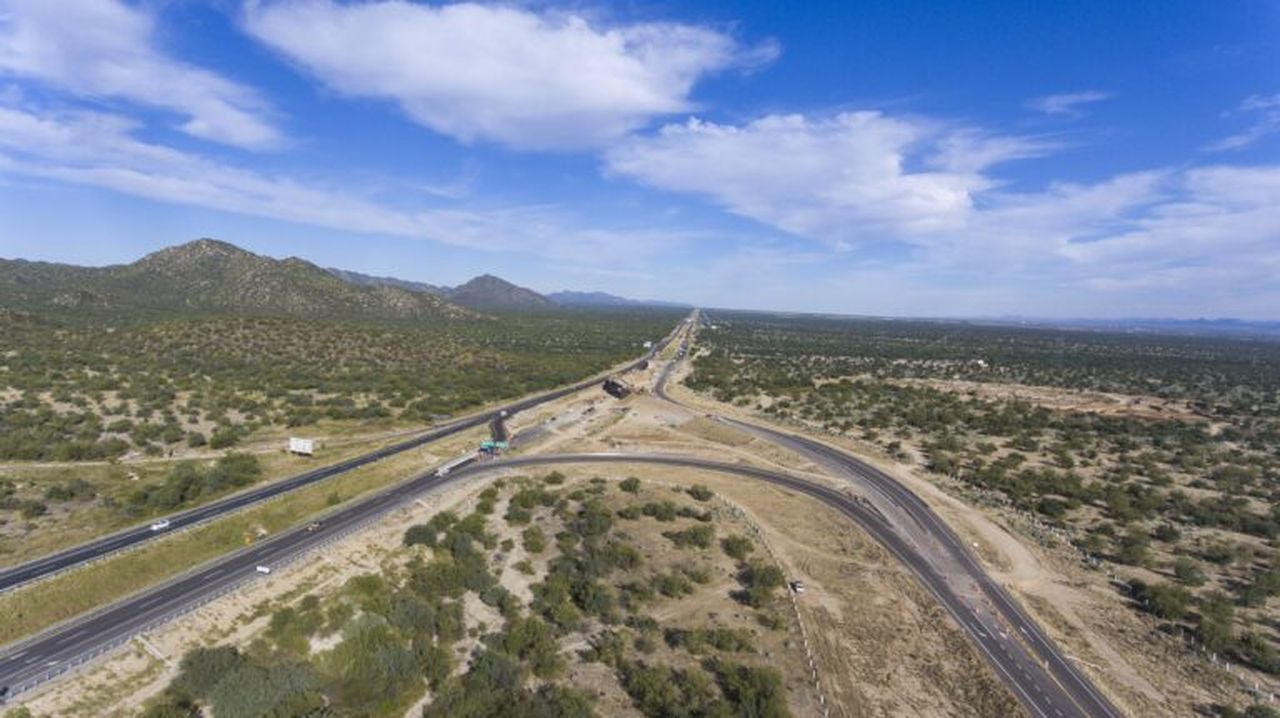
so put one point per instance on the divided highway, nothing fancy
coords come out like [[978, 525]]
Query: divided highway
[[46, 566], [1025, 659], [63, 647]]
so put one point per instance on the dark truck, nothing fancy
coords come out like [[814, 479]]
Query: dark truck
[[616, 388]]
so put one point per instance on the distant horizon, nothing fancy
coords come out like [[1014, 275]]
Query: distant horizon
[[997, 318]]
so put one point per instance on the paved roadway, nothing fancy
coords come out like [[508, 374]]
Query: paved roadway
[[1045, 682], [1029, 661], [46, 566], [37, 660]]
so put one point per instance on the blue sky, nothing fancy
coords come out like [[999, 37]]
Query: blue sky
[[898, 157]]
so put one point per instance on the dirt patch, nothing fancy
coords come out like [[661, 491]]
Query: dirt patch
[[1096, 402]]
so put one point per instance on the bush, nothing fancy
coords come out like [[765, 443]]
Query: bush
[[736, 546], [419, 535], [759, 580], [73, 490], [700, 536], [672, 585], [1133, 548], [753, 692], [534, 539], [659, 691], [1188, 571], [701, 492], [630, 485], [662, 511], [1165, 600]]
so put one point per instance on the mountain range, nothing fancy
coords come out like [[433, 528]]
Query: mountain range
[[208, 276]]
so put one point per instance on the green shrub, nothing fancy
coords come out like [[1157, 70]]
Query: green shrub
[[736, 546], [701, 492]]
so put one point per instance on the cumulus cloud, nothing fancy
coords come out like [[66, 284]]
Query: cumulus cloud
[[106, 49], [101, 150], [835, 179], [530, 79], [866, 178], [1265, 112], [1068, 103]]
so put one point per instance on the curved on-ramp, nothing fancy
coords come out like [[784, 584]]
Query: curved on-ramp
[[64, 647]]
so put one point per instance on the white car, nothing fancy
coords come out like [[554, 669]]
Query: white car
[[264, 569], [160, 525]]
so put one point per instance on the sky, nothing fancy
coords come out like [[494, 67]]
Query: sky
[[888, 157]]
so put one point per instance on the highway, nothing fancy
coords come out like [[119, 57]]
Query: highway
[[1044, 681], [1029, 661], [46, 566], [39, 659]]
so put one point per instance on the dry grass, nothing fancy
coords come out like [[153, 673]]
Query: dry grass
[[32, 609]]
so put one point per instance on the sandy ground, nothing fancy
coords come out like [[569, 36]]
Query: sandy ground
[[881, 645], [1145, 671]]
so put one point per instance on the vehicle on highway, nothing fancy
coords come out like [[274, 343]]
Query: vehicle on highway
[[160, 525], [313, 526], [263, 569]]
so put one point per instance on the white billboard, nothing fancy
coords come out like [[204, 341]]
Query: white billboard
[[306, 447]]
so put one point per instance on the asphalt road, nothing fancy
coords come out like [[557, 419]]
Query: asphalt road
[[45, 566], [65, 646], [1033, 666], [1028, 662]]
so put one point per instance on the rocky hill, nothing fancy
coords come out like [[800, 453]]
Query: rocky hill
[[490, 293], [211, 277]]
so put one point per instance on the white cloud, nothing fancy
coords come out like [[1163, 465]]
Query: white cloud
[[1265, 110], [835, 179], [528, 79], [100, 150], [868, 179], [1068, 103], [104, 49]]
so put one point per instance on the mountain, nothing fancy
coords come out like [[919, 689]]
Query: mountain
[[569, 298], [489, 293], [485, 292], [211, 277], [368, 280]]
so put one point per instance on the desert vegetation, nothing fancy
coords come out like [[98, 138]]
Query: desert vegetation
[[1158, 456], [544, 599]]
